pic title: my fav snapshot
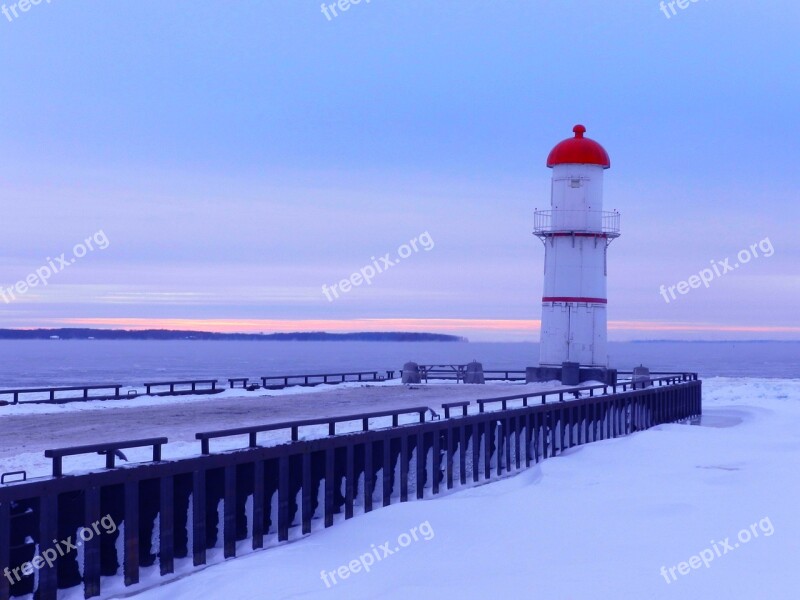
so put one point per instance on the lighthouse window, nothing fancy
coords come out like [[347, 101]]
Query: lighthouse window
[[576, 183]]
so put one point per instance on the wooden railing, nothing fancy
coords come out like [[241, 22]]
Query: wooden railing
[[192, 389], [52, 391], [110, 450], [282, 381], [294, 426]]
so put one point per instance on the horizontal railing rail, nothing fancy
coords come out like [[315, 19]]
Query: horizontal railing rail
[[252, 431], [508, 375], [576, 221], [317, 379], [447, 406], [51, 391], [193, 383], [684, 375], [109, 449], [179, 510], [578, 392], [457, 372]]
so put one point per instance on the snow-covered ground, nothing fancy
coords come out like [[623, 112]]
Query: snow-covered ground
[[598, 522], [635, 517]]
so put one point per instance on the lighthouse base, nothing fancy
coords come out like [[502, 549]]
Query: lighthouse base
[[571, 374]]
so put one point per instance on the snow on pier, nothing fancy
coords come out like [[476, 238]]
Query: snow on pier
[[29, 430]]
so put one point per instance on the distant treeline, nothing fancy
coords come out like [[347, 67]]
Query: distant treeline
[[167, 334]]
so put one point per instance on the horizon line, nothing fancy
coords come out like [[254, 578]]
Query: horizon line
[[454, 326], [323, 332]]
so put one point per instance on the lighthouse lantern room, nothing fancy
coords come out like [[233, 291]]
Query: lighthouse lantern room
[[576, 232]]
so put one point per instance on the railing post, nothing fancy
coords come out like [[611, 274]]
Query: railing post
[[258, 505], [198, 548], [48, 530], [229, 513], [91, 557], [329, 485], [166, 534], [131, 541]]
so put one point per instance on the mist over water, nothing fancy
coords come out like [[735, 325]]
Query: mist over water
[[61, 362]]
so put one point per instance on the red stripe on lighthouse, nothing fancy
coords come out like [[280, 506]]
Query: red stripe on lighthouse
[[574, 299]]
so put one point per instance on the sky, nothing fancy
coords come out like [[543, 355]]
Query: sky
[[227, 160]]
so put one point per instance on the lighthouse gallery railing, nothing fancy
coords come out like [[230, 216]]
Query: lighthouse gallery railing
[[576, 221]]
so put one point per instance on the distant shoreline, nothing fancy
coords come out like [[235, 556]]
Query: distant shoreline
[[168, 334], [312, 336]]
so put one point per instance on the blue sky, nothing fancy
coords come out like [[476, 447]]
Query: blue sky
[[240, 155]]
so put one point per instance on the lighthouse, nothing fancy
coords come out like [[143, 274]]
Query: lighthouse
[[576, 233]]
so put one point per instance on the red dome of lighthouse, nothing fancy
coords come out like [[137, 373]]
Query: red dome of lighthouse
[[579, 150]]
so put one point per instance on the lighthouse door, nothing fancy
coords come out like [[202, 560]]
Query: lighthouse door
[[581, 335], [569, 204], [555, 334]]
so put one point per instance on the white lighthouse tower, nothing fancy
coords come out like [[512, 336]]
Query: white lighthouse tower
[[576, 233]]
